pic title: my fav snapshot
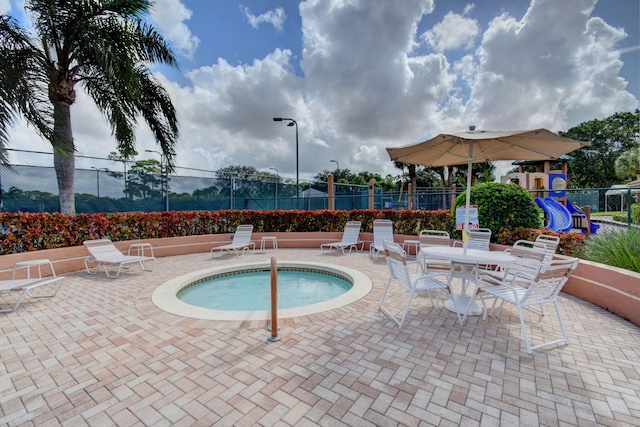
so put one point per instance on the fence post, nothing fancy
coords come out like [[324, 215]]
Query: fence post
[[587, 214], [371, 191], [409, 196], [331, 192]]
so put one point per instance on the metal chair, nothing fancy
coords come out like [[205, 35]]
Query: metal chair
[[552, 243], [478, 239], [350, 239], [382, 230], [433, 238], [542, 289], [438, 283], [529, 261]]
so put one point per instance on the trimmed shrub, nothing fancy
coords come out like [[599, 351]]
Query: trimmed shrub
[[502, 206], [635, 215], [24, 232]]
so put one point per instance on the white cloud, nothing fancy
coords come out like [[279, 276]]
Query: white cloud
[[364, 89], [533, 74], [170, 15], [274, 17], [453, 32], [5, 6]]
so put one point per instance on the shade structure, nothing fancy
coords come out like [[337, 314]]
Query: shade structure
[[477, 146]]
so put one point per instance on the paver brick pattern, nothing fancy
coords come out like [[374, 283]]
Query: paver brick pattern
[[101, 354]]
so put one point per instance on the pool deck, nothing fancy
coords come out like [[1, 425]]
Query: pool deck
[[100, 354]]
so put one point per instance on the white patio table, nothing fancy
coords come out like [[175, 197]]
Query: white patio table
[[468, 257]]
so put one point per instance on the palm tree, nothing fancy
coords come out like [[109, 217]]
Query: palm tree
[[106, 47]]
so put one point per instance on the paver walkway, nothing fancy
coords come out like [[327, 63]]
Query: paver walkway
[[101, 354]]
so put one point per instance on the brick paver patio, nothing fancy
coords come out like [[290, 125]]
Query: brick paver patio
[[100, 354]]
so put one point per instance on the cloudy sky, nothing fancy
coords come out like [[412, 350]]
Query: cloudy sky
[[361, 75]]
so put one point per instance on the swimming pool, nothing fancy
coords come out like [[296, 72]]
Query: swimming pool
[[250, 290], [166, 298]]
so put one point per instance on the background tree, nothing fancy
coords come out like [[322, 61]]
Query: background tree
[[594, 166], [144, 180], [628, 165], [105, 47]]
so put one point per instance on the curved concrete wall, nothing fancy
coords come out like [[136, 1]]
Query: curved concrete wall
[[611, 288]]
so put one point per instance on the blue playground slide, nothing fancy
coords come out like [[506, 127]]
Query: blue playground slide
[[593, 227], [558, 216]]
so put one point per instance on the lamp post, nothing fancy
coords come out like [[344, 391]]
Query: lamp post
[[293, 123], [277, 181], [98, 178], [164, 178], [337, 165]]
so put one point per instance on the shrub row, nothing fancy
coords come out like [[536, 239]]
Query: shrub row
[[635, 215], [23, 232]]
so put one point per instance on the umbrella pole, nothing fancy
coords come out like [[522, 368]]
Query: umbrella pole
[[465, 226]]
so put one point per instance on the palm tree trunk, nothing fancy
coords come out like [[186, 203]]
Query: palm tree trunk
[[64, 157]]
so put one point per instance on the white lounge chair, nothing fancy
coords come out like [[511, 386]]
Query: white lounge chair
[[350, 239], [24, 287], [105, 254], [382, 230], [543, 289], [438, 283], [241, 242]]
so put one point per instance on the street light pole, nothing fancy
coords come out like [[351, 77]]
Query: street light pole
[[277, 182], [293, 123], [337, 165], [164, 178]]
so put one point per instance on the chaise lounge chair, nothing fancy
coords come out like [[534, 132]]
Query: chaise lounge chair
[[382, 230], [24, 286], [241, 242], [350, 238], [105, 254]]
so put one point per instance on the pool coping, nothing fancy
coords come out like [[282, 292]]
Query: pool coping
[[165, 296]]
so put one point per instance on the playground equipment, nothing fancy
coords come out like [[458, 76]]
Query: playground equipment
[[580, 219], [551, 183], [558, 216]]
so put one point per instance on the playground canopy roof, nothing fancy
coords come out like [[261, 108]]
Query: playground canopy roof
[[617, 189]]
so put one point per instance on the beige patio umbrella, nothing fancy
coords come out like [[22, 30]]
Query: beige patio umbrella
[[477, 146]]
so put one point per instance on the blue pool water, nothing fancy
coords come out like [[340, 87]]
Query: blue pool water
[[250, 291]]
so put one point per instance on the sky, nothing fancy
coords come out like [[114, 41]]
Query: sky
[[359, 76]]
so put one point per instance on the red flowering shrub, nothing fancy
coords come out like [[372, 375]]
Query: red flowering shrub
[[570, 243], [23, 232]]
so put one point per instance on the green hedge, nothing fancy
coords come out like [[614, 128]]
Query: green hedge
[[23, 232], [635, 215]]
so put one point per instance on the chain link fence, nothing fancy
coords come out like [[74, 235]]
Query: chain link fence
[[29, 184]]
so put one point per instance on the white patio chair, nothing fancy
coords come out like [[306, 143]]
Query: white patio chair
[[105, 254], [430, 238], [240, 243], [529, 260], [552, 243], [382, 230], [542, 289], [479, 239], [25, 286], [350, 239], [438, 283]]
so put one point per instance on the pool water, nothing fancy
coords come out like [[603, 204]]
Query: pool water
[[252, 290]]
